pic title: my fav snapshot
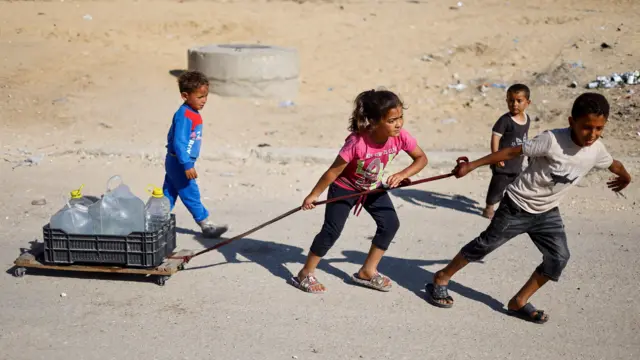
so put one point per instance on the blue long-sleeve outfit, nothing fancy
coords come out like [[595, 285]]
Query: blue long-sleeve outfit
[[183, 148]]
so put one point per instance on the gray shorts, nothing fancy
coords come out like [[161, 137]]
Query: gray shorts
[[546, 230]]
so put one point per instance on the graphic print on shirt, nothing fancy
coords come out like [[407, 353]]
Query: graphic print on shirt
[[561, 179], [196, 132], [195, 136], [519, 141], [372, 175]]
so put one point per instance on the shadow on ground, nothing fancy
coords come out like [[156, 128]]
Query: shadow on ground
[[432, 200], [406, 273]]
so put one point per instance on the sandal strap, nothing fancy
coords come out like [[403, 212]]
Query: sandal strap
[[308, 281], [378, 280], [530, 310], [440, 292], [539, 315]]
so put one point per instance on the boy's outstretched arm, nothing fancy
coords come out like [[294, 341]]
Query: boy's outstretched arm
[[622, 180], [505, 154], [326, 179]]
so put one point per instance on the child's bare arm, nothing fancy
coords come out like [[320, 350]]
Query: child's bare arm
[[420, 160], [622, 180], [495, 142], [325, 180], [501, 155], [329, 176], [495, 146]]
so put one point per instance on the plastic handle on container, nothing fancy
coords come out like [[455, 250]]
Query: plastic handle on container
[[65, 199], [109, 189]]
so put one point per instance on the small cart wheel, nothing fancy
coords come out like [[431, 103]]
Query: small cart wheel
[[181, 267], [19, 272], [161, 280]]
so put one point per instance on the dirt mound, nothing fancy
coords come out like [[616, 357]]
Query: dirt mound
[[563, 74]]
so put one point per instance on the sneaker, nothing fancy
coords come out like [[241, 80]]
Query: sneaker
[[210, 230]]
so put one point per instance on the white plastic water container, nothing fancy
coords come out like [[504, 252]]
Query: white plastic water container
[[119, 212], [157, 210], [73, 219]]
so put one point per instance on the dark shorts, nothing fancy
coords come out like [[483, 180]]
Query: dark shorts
[[497, 186], [546, 230]]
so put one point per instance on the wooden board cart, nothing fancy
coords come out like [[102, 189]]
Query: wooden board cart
[[33, 259]]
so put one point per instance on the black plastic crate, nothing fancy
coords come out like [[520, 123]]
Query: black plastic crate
[[138, 249]]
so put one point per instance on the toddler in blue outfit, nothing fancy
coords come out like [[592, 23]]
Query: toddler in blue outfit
[[183, 148]]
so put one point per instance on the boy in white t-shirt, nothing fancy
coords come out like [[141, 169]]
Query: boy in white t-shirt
[[558, 160]]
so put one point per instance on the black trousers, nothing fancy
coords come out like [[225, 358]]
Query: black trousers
[[378, 205]]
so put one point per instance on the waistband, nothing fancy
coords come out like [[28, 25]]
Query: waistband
[[174, 155]]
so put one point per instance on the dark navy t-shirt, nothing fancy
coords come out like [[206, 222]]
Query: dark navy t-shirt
[[513, 134]]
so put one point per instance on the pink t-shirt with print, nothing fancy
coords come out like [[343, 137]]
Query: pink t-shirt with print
[[367, 160]]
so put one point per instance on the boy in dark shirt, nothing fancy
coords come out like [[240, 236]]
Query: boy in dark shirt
[[510, 130]]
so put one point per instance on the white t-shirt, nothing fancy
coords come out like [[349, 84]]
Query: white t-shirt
[[555, 164]]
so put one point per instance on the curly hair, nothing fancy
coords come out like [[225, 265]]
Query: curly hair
[[190, 81]]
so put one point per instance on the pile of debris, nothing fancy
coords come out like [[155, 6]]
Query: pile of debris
[[615, 80]]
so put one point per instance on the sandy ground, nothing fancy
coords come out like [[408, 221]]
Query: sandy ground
[[236, 304], [64, 77], [92, 98]]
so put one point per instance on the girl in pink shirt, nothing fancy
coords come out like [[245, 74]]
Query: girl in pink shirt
[[376, 139]]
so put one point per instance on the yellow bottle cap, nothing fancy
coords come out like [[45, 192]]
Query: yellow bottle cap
[[156, 192], [77, 194]]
